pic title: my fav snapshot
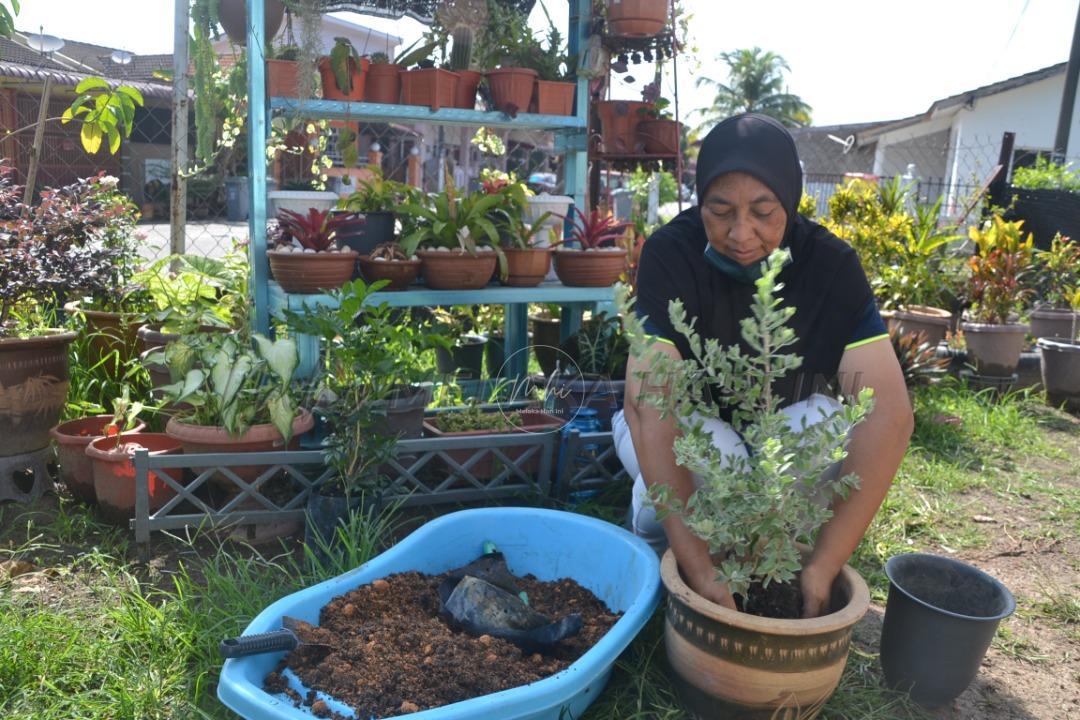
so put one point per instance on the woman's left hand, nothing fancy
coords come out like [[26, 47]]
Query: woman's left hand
[[816, 584]]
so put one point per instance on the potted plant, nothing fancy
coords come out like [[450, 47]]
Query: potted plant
[[527, 262], [460, 22], [72, 438], [997, 291], [636, 18], [384, 73], [463, 356], [753, 512], [390, 263], [343, 72], [1060, 360], [283, 72], [657, 130], [596, 261], [556, 78], [506, 50], [377, 200], [1056, 272], [619, 126], [113, 468], [597, 379], [232, 14], [308, 259], [459, 242], [240, 397]]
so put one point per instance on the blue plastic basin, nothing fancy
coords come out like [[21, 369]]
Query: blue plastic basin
[[617, 567]]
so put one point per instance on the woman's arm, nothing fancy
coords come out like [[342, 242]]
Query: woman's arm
[[876, 449], [654, 438]]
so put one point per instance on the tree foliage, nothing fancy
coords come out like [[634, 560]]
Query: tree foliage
[[755, 84]]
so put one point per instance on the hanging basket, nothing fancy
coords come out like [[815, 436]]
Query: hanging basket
[[636, 18]]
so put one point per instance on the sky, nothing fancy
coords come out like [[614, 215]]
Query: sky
[[851, 60]]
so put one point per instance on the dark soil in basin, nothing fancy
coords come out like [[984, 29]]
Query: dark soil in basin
[[392, 653]]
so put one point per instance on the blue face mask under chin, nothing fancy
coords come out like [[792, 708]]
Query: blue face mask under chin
[[746, 274]]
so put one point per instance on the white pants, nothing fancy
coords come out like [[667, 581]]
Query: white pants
[[642, 518]]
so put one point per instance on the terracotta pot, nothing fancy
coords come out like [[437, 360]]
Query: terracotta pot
[[729, 664], [636, 18], [109, 332], [526, 267], [33, 389], [329, 81], [456, 269], [197, 439], [660, 137], [484, 468], [114, 473], [1060, 364], [995, 349], [433, 87], [232, 14], [298, 272], [465, 95], [71, 439], [618, 126], [553, 98], [383, 84], [590, 268], [932, 321], [400, 273], [511, 89], [1054, 323], [282, 78]]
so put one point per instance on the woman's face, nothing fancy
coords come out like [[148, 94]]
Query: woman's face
[[743, 219]]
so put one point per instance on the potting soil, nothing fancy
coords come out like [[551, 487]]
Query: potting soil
[[393, 655], [781, 601]]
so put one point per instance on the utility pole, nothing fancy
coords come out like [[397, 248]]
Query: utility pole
[[1068, 98], [180, 104]]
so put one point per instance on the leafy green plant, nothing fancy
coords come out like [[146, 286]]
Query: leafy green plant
[[918, 359], [377, 194], [552, 62], [106, 113], [189, 292], [343, 61], [506, 39], [599, 348], [7, 17], [1047, 175], [999, 270], [1056, 271], [473, 417], [125, 415], [750, 510], [231, 384]]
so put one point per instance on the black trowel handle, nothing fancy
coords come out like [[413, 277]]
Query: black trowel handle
[[258, 644]]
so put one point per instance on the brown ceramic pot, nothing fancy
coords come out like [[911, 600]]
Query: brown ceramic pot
[[433, 87], [636, 18], [465, 95], [232, 14], [511, 89], [282, 78], [911, 319], [383, 84], [590, 268], [33, 389], [456, 269], [329, 81], [729, 664], [994, 349], [526, 267], [109, 332], [618, 126], [299, 272], [400, 273], [660, 137], [72, 439], [554, 98], [114, 473]]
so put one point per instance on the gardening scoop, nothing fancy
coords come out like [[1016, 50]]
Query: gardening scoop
[[293, 634]]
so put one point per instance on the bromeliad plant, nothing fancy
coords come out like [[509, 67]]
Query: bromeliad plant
[[750, 510], [595, 231], [315, 231], [999, 270]]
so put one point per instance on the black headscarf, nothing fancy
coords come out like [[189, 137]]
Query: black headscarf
[[757, 145]]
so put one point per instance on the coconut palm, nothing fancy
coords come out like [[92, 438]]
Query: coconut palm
[[755, 84]]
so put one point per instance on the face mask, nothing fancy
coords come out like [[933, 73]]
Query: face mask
[[745, 274]]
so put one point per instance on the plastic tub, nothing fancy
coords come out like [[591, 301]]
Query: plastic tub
[[618, 567]]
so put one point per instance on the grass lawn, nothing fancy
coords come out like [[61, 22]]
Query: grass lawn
[[88, 632]]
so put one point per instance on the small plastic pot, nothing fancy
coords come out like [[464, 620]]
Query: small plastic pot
[[940, 618], [114, 473], [72, 438]]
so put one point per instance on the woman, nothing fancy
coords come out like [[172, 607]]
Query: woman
[[749, 182]]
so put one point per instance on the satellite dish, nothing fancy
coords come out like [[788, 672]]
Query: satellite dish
[[847, 142], [44, 43], [121, 57]]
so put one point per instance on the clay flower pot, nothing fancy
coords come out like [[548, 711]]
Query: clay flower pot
[[258, 438], [465, 96], [72, 439], [433, 87], [660, 137], [618, 126], [329, 81], [109, 332], [590, 268], [456, 269], [400, 273], [912, 319], [302, 272], [282, 78], [636, 18], [232, 14], [526, 267], [511, 89], [995, 349], [1054, 323], [383, 84], [114, 473], [33, 389], [554, 98], [729, 664]]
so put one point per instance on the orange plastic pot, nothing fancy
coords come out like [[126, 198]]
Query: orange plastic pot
[[72, 439], [331, 91], [434, 87], [282, 78], [511, 89], [465, 95], [114, 473], [383, 84]]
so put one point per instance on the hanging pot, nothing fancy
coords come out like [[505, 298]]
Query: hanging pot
[[282, 78], [232, 14], [659, 137], [939, 620], [636, 18], [618, 126], [383, 84]]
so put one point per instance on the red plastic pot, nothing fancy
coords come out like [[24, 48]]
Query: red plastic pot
[[72, 439], [114, 473]]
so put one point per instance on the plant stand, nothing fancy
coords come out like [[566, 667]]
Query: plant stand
[[984, 382], [37, 464]]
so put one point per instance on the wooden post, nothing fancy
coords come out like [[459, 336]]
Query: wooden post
[[374, 156], [180, 105], [996, 191], [414, 174], [1068, 97], [39, 139]]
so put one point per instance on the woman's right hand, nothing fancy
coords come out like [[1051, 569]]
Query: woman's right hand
[[704, 583]]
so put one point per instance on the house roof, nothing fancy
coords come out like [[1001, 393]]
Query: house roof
[[963, 99]]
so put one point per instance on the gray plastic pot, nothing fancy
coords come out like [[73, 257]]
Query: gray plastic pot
[[940, 618], [1061, 371], [1054, 323], [995, 349]]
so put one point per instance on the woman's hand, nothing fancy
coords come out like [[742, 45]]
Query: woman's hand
[[704, 584], [816, 583]]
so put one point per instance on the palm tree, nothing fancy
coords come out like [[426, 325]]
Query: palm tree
[[755, 84]]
